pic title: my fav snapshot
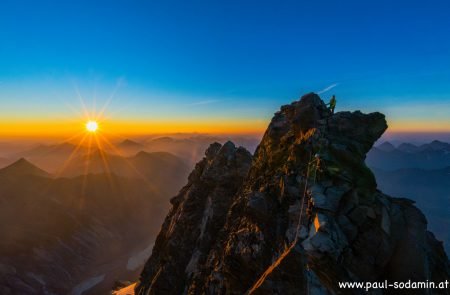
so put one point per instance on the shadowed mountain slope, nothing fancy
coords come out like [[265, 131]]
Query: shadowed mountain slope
[[430, 189], [130, 147], [158, 168], [4, 162], [22, 168], [79, 235]]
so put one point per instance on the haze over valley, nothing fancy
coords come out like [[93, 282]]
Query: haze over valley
[[67, 209]]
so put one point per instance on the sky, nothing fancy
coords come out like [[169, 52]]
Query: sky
[[219, 66]]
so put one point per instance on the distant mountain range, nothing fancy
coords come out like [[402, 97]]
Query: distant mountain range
[[193, 148], [53, 157], [156, 168], [435, 145], [434, 155], [429, 188], [50, 157], [130, 147], [67, 210], [4, 162], [59, 235], [22, 168], [420, 173]]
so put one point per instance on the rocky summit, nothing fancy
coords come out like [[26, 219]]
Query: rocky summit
[[301, 215]]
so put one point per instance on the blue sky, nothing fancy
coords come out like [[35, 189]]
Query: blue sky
[[225, 59]]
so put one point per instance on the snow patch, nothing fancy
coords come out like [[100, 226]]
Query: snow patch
[[207, 214], [37, 278], [139, 259], [192, 265], [86, 285]]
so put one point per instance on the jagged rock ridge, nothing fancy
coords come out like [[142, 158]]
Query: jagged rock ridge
[[201, 208], [306, 216]]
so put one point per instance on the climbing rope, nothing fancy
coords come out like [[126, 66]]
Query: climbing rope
[[303, 200], [277, 262]]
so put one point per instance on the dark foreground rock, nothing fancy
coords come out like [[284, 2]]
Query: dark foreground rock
[[306, 216], [197, 216]]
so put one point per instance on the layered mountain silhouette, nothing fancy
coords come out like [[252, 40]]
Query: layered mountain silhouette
[[157, 168], [22, 168], [130, 147], [434, 155], [50, 157], [406, 147], [78, 235], [193, 148], [68, 160], [54, 157], [4, 162], [386, 147], [430, 189], [301, 215], [421, 173]]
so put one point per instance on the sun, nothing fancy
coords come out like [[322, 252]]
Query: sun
[[92, 126]]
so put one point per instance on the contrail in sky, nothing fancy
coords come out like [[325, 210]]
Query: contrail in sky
[[203, 102], [328, 88]]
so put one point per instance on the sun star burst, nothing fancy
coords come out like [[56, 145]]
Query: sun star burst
[[92, 126]]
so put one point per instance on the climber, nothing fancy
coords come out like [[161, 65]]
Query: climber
[[317, 165], [332, 103], [313, 166]]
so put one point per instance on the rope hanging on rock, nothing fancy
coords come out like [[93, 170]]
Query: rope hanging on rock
[[277, 262]]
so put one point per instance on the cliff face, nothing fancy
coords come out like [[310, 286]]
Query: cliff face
[[197, 216], [306, 215]]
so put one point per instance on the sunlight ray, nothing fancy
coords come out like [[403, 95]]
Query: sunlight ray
[[69, 140], [149, 184], [115, 135], [81, 101], [69, 159], [61, 169], [110, 99], [111, 115], [107, 169], [111, 146], [94, 102], [86, 167], [56, 146], [73, 109]]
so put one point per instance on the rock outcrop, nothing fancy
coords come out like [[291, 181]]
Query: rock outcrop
[[197, 216], [306, 216]]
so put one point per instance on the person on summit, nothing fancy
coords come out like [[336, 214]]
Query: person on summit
[[317, 165], [332, 103]]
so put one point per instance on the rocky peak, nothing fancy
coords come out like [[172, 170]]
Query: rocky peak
[[439, 145], [23, 167], [408, 147], [197, 216], [307, 215], [129, 143], [386, 147]]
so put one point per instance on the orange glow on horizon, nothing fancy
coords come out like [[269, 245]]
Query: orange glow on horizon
[[60, 128], [418, 126], [67, 128]]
